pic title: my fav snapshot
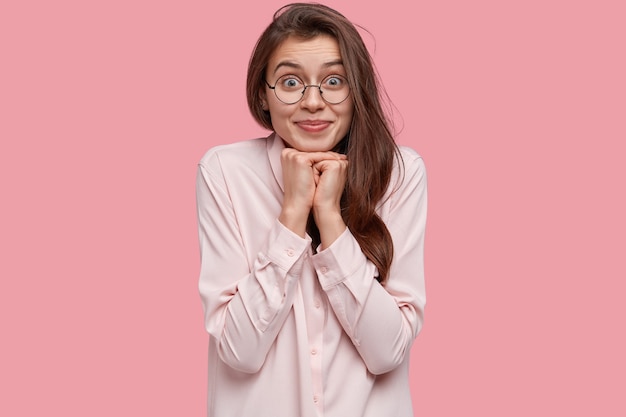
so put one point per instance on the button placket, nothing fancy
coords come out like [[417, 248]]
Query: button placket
[[316, 346], [312, 298]]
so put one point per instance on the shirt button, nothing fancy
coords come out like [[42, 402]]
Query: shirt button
[[324, 270], [316, 399], [313, 351], [289, 252], [317, 303]]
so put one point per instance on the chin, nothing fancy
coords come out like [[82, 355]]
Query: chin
[[313, 147], [315, 144]]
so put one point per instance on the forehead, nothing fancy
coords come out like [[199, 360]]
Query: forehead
[[306, 54]]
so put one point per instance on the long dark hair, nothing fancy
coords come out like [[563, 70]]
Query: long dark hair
[[369, 143]]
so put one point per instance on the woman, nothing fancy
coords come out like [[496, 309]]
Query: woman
[[312, 238]]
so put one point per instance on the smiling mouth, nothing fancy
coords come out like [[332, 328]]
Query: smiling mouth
[[313, 125]]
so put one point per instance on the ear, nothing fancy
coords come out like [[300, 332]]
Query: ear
[[263, 99]]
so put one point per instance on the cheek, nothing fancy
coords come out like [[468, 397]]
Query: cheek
[[277, 114], [279, 118], [348, 113], [280, 113]]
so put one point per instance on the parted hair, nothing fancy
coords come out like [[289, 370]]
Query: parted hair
[[369, 144]]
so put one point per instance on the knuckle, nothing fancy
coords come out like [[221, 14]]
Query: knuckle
[[301, 158]]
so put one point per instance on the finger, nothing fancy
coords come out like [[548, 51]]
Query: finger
[[328, 164], [314, 157], [336, 155]]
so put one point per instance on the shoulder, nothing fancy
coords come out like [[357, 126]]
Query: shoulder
[[408, 163], [408, 176], [238, 151], [407, 186], [231, 156]]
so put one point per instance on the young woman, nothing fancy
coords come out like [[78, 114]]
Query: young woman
[[312, 238]]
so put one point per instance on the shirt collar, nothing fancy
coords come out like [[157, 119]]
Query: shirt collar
[[275, 146]]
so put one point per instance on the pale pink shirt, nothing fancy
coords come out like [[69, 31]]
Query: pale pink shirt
[[296, 332]]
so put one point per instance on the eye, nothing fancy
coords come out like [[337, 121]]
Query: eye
[[335, 82], [290, 82]]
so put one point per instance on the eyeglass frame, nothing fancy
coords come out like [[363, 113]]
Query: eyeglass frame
[[305, 86]]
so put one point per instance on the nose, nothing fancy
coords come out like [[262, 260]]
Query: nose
[[313, 100]]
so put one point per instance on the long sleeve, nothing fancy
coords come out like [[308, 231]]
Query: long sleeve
[[382, 321], [290, 329], [245, 302]]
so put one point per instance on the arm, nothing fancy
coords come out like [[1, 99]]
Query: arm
[[245, 305], [382, 322]]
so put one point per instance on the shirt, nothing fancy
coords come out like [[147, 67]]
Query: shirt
[[296, 332]]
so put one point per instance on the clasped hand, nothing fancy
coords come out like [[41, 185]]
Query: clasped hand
[[313, 181]]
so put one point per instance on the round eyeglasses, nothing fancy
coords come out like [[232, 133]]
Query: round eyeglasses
[[290, 89]]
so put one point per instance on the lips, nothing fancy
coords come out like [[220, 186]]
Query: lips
[[313, 125]]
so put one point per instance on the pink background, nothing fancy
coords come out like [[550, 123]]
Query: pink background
[[518, 108]]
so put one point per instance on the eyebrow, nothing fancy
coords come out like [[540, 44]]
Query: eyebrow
[[295, 65]]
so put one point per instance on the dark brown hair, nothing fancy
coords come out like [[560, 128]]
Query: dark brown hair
[[369, 143]]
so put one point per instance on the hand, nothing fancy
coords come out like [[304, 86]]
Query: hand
[[330, 178], [299, 179]]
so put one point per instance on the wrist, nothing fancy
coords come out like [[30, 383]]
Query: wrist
[[326, 213], [294, 220], [331, 226]]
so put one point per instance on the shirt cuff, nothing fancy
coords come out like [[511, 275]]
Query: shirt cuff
[[285, 247], [330, 270]]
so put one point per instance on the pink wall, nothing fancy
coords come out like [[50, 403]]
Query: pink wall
[[518, 108]]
